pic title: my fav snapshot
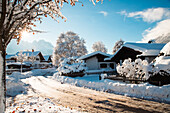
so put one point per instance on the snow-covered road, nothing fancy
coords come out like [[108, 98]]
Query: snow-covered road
[[87, 100]]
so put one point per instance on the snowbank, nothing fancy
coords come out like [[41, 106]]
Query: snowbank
[[25, 104], [14, 84], [144, 90]]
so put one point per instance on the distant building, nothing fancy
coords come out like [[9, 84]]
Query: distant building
[[48, 58], [10, 58], [37, 54], [95, 61]]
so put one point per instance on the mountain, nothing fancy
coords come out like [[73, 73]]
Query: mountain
[[163, 39], [45, 47]]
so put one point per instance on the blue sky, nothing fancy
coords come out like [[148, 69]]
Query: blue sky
[[102, 22]]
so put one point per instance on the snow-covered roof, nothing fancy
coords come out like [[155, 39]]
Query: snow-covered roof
[[46, 57], [143, 47], [92, 54], [147, 49], [166, 49], [9, 56], [18, 63], [150, 53], [29, 53]]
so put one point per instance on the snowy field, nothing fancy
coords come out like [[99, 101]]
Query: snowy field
[[26, 101], [33, 104]]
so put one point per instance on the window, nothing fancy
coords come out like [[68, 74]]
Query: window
[[112, 65], [103, 65]]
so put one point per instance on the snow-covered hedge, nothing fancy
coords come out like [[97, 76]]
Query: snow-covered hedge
[[137, 69], [144, 90], [160, 74], [71, 65]]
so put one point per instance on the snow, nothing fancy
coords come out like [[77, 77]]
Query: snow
[[144, 90], [9, 56], [162, 63], [92, 54], [29, 53], [28, 101], [166, 49], [68, 44], [100, 71], [71, 65], [136, 69], [99, 46], [46, 57], [1, 85], [147, 49], [150, 53], [16, 86], [35, 105], [19, 63], [144, 46]]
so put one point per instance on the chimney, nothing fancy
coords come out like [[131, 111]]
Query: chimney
[[32, 50]]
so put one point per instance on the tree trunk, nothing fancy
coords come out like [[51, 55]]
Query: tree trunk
[[2, 79]]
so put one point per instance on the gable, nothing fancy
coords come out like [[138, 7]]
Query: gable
[[125, 53], [97, 54]]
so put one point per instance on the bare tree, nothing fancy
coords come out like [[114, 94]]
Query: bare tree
[[117, 45], [99, 46], [19, 15]]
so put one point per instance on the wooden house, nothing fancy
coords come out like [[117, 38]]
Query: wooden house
[[145, 51]]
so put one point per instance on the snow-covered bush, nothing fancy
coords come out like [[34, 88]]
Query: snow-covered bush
[[160, 73], [71, 65], [68, 44], [137, 69]]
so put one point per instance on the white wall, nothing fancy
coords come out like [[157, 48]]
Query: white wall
[[92, 63]]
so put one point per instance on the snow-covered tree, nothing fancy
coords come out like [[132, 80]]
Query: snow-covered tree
[[117, 45], [21, 58], [31, 58], [71, 65], [136, 69], [68, 44], [99, 46], [19, 15]]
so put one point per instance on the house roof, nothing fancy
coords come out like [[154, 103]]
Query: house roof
[[147, 49], [18, 63], [29, 53], [9, 56], [46, 57], [166, 49], [93, 54]]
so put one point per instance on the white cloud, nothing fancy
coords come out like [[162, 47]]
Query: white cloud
[[162, 29], [104, 13], [123, 12], [150, 15]]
